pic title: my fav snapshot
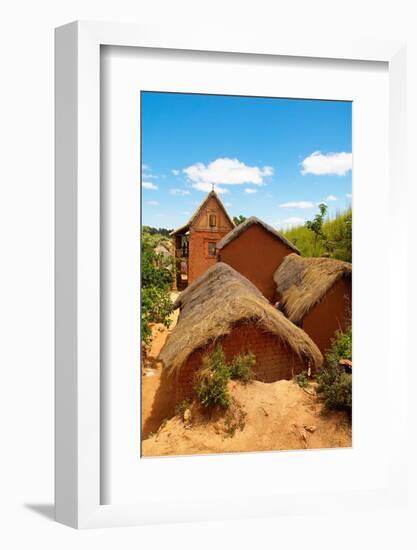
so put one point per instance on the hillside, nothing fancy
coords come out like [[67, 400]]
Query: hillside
[[335, 243]]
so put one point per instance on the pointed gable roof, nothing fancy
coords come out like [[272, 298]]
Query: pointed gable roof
[[212, 194], [253, 220]]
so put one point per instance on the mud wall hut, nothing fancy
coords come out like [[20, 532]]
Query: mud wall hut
[[224, 307], [316, 295], [255, 250]]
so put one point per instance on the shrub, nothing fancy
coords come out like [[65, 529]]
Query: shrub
[[334, 384], [156, 308], [302, 379], [182, 407], [235, 418], [242, 366], [212, 379], [157, 274], [215, 373], [341, 347]]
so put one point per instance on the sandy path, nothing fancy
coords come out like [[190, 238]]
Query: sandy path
[[279, 416], [151, 374]]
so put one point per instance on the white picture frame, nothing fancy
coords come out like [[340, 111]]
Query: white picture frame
[[78, 500]]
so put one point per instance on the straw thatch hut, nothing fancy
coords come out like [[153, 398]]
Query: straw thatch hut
[[255, 250], [223, 306], [316, 294]]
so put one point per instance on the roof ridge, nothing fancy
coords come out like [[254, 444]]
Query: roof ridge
[[239, 229], [196, 213]]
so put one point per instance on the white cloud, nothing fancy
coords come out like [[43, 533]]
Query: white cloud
[[186, 213], [349, 195], [321, 164], [228, 204], [297, 204], [289, 222], [250, 190], [176, 172], [179, 192], [153, 203], [225, 171], [145, 167], [207, 187], [149, 185], [331, 198]]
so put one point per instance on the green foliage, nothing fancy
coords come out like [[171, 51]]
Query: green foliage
[[334, 238], [215, 373], [157, 276], [156, 308], [235, 418], [316, 226], [242, 366], [302, 379], [334, 384], [182, 407], [212, 379], [341, 347], [156, 231], [239, 219]]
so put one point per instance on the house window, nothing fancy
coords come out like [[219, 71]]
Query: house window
[[212, 220], [211, 249]]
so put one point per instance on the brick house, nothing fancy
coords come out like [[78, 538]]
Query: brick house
[[224, 307], [255, 250], [316, 295], [195, 242]]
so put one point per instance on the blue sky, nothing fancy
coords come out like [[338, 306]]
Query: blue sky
[[272, 158]]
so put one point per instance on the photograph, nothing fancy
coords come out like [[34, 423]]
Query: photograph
[[246, 273]]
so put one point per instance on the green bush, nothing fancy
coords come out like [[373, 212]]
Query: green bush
[[215, 373], [212, 379], [302, 379], [182, 407], [334, 385], [157, 274], [242, 366], [341, 347]]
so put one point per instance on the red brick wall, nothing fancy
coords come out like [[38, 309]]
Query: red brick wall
[[274, 361], [256, 254], [199, 260], [332, 313]]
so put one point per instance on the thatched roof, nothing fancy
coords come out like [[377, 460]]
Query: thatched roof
[[253, 220], [214, 303], [303, 282], [184, 228]]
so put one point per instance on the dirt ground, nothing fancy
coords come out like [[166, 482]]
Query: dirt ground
[[151, 376], [277, 416]]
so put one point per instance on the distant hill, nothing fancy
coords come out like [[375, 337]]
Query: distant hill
[[156, 230], [336, 241]]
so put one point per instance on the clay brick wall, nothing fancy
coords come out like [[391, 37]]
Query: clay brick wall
[[201, 234], [199, 260], [334, 312], [274, 361], [256, 254]]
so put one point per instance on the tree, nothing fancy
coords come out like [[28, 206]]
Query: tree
[[239, 219], [157, 276], [316, 225]]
